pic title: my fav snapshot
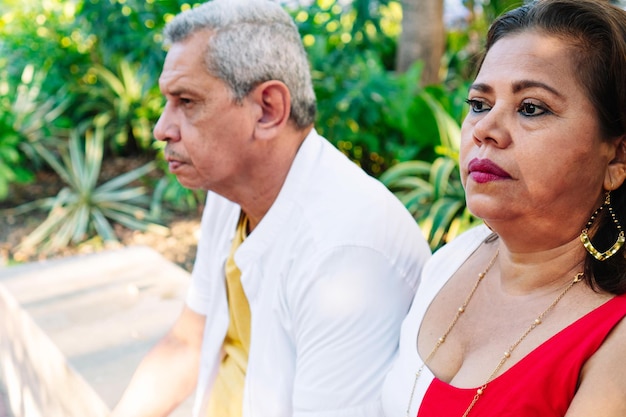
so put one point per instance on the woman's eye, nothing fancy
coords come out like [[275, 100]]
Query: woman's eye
[[531, 109], [477, 106]]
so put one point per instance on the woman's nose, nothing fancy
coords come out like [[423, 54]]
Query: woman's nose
[[491, 127]]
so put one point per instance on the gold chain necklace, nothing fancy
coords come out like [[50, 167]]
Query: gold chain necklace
[[507, 354]]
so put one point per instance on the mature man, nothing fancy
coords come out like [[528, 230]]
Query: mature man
[[306, 266]]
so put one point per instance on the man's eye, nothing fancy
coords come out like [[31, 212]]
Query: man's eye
[[477, 106]]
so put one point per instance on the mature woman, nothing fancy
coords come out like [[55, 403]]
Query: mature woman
[[525, 319]]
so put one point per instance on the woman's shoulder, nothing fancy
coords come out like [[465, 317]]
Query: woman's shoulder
[[446, 260], [604, 376], [454, 253]]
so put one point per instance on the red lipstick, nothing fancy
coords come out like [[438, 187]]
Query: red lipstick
[[484, 170]]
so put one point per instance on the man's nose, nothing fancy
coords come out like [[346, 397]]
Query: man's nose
[[166, 129]]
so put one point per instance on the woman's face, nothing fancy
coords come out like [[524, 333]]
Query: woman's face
[[531, 151]]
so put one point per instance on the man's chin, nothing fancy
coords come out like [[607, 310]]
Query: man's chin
[[190, 184]]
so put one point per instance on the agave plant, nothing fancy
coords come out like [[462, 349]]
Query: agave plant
[[83, 207], [34, 113], [433, 194]]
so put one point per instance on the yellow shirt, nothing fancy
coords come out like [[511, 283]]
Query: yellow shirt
[[227, 395]]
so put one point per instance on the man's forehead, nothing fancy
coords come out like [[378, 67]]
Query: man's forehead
[[180, 63], [192, 48]]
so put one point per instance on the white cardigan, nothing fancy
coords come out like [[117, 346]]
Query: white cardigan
[[400, 380]]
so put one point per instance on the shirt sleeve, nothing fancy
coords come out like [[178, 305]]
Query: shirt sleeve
[[347, 315]]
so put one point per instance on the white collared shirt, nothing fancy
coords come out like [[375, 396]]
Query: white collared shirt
[[329, 274]]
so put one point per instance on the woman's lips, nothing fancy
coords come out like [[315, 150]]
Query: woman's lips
[[484, 170]]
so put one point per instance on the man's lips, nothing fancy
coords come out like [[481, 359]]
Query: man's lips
[[173, 163], [484, 170]]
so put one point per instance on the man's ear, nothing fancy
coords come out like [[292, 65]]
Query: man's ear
[[274, 100], [616, 171]]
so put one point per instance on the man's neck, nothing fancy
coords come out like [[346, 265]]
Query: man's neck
[[261, 189]]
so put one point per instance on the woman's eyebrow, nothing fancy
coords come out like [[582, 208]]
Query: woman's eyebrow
[[526, 84], [481, 87], [517, 86]]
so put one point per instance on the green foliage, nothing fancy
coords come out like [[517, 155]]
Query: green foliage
[[337, 30], [374, 115], [102, 58], [36, 116], [46, 35], [464, 42], [11, 170], [27, 117], [131, 103], [370, 115], [433, 193], [170, 194], [83, 207], [490, 9], [129, 30]]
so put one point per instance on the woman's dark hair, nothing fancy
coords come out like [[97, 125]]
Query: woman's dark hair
[[596, 30]]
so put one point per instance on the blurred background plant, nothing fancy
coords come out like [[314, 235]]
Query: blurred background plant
[[130, 100], [28, 117], [83, 208], [66, 63], [433, 193]]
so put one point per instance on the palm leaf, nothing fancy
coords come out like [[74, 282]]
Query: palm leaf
[[404, 169], [440, 175], [409, 183], [449, 129], [442, 213]]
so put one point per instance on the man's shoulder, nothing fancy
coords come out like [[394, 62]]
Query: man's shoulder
[[340, 180]]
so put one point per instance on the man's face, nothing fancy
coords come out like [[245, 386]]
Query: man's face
[[207, 133]]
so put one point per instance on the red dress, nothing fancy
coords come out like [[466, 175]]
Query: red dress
[[542, 384]]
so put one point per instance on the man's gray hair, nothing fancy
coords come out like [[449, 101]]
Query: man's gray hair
[[252, 41]]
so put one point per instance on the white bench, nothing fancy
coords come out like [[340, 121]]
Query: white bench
[[72, 331]]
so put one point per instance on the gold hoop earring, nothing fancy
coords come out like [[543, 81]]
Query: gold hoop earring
[[584, 236]]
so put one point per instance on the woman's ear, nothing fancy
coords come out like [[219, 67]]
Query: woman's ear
[[274, 100], [616, 172]]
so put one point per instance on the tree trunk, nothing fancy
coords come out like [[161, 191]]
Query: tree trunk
[[422, 38]]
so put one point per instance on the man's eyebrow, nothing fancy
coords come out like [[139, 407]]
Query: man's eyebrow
[[179, 91]]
